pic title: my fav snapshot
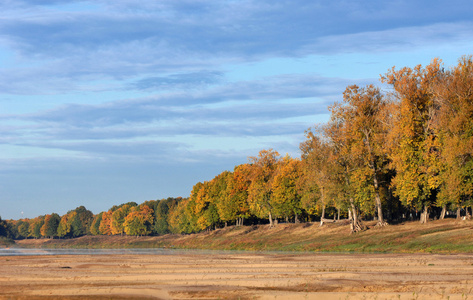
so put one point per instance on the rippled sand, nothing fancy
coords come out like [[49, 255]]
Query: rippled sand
[[238, 276]]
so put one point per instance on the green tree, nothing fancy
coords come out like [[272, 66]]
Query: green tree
[[35, 227], [22, 229], [95, 226], [81, 221], [50, 225]]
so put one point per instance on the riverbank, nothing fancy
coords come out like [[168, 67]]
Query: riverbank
[[440, 236]]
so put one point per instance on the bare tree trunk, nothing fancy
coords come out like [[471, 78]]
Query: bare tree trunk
[[424, 216], [458, 212], [356, 224], [467, 213], [381, 221], [373, 167], [444, 211], [322, 217], [270, 220], [338, 214]]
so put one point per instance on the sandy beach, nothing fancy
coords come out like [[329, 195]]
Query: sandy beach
[[237, 276]]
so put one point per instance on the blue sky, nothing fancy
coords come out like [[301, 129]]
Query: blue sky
[[109, 101]]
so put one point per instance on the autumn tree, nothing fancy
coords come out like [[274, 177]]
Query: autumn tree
[[95, 225], [80, 224], [105, 226], [4, 229], [318, 181], [65, 224], [50, 225], [225, 196], [118, 219], [453, 97], [263, 169], [203, 205], [22, 228], [414, 153], [181, 218], [163, 208], [366, 113], [285, 198], [139, 221], [343, 161], [35, 227], [236, 197]]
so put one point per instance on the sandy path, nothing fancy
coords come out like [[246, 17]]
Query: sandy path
[[238, 276]]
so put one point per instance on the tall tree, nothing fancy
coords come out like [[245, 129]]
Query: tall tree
[[286, 199], [365, 108], [318, 181], [344, 162], [454, 99], [414, 155], [263, 169]]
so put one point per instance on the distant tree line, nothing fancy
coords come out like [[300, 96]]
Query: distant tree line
[[402, 153]]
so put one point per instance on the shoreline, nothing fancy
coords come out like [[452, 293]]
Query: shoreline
[[440, 237]]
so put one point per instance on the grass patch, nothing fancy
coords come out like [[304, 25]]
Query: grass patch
[[447, 236]]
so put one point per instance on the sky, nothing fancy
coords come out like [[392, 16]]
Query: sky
[[109, 101]]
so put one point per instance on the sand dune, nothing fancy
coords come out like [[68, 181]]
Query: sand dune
[[238, 276]]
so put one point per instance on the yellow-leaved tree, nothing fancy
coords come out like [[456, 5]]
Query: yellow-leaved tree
[[414, 153]]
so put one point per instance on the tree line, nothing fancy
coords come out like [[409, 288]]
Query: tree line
[[406, 152]]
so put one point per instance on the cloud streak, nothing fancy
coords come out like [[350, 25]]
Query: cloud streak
[[126, 91]]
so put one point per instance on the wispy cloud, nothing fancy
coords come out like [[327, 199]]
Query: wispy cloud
[[177, 86]]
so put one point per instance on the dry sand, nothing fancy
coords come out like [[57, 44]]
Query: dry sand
[[238, 276]]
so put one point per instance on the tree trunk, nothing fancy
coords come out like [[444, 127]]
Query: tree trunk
[[458, 212], [373, 167], [356, 224], [467, 213], [381, 221], [424, 216], [338, 214], [444, 211], [270, 220], [296, 219], [322, 217]]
